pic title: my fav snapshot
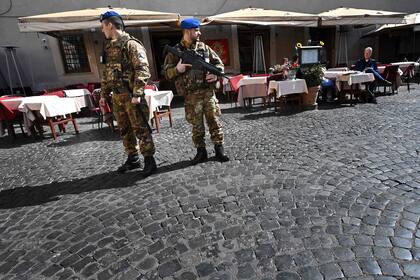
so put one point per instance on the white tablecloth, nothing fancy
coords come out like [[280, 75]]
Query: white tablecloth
[[288, 87], [357, 78], [350, 77], [251, 87], [339, 69], [334, 74], [48, 106], [405, 64], [252, 81], [80, 96], [157, 98]]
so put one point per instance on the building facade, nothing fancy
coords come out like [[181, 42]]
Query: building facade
[[74, 57]]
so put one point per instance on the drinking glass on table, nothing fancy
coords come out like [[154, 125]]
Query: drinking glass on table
[[292, 74]]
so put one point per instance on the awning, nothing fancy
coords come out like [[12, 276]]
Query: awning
[[89, 18], [353, 16], [409, 21], [257, 16]]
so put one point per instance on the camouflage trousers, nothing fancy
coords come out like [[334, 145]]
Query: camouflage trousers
[[197, 106], [131, 125]]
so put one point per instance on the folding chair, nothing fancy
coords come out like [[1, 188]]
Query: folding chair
[[234, 86], [390, 74], [407, 75]]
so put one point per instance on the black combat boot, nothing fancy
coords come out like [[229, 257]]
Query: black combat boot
[[132, 162], [220, 154], [201, 156], [149, 166]]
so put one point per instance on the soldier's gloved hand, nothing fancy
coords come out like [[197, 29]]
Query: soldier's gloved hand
[[211, 78], [182, 67]]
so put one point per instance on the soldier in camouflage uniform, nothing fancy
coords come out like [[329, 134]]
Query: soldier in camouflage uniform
[[125, 75], [198, 88]]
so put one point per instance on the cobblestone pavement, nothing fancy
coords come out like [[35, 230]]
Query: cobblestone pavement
[[324, 194]]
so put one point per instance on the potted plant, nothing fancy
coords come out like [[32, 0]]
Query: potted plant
[[313, 77]]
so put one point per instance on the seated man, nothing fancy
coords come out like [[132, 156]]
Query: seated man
[[368, 65]]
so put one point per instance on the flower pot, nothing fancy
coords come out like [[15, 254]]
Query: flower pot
[[309, 99]]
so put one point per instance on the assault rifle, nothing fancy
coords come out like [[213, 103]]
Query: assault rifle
[[197, 62]]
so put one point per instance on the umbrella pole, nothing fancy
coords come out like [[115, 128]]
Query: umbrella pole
[[254, 52], [8, 71], [339, 48], [414, 44], [345, 46]]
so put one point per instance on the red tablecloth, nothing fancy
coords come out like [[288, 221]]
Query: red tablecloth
[[6, 113]]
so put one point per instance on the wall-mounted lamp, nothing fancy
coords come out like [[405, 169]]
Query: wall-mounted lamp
[[44, 44]]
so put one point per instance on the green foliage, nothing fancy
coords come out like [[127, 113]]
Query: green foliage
[[313, 76]]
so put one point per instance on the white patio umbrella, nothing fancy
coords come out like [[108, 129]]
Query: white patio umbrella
[[352, 16], [89, 18], [258, 16], [410, 20], [263, 17]]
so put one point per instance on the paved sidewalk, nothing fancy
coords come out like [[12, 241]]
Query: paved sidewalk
[[332, 193]]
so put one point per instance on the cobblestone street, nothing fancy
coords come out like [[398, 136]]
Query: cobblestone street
[[332, 193]]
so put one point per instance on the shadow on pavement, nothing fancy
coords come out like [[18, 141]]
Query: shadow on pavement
[[36, 195], [104, 134]]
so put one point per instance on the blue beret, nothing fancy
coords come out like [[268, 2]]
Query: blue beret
[[190, 23], [109, 14]]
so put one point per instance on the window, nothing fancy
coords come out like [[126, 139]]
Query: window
[[74, 55]]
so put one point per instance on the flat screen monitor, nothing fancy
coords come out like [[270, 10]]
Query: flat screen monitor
[[310, 55]]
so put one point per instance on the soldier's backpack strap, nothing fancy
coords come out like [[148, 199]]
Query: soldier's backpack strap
[[124, 51], [125, 61]]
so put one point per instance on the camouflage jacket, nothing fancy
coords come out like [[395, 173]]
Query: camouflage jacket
[[192, 80], [126, 66]]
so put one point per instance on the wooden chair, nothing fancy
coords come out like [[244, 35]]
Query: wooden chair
[[61, 122], [408, 75], [103, 114], [161, 111], [390, 74]]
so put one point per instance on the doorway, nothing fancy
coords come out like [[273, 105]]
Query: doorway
[[246, 41], [326, 35], [159, 40]]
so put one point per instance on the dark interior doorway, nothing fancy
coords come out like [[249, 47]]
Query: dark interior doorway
[[326, 35], [159, 40], [246, 38]]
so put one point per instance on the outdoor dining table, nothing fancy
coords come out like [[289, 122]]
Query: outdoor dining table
[[352, 78], [81, 97], [381, 69], [8, 111], [45, 106], [252, 87], [156, 99], [287, 88], [405, 64]]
